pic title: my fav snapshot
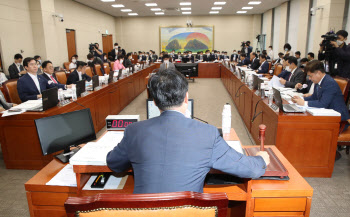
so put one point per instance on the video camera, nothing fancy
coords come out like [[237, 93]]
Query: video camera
[[243, 43], [92, 47], [327, 39]]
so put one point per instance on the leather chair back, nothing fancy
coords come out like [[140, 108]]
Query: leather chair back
[[88, 71], [106, 68], [344, 86], [189, 204], [11, 91], [98, 70], [61, 77], [278, 69], [66, 65]]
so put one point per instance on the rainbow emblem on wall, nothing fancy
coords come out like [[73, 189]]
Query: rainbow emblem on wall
[[184, 39]]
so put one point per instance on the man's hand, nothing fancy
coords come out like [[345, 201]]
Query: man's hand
[[298, 100], [14, 104], [69, 86], [334, 43], [39, 96], [265, 156], [307, 95], [2, 109], [256, 70], [298, 86], [282, 81]]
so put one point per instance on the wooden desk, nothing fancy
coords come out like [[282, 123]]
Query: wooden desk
[[18, 137], [308, 142], [209, 70]]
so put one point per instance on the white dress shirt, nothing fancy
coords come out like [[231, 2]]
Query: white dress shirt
[[50, 76], [80, 76], [36, 81], [2, 78], [72, 66]]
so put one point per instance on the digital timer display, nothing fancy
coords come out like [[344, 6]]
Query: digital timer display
[[119, 124]]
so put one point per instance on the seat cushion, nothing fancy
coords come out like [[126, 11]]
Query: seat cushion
[[344, 136]]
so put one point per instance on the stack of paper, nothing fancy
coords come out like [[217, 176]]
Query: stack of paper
[[65, 177], [322, 112], [28, 105]]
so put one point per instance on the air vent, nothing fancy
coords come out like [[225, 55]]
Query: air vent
[[172, 9]]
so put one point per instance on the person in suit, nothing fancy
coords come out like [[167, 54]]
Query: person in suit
[[118, 64], [3, 78], [31, 85], [297, 75], [92, 61], [127, 62], [284, 73], [154, 56], [190, 56], [297, 55], [200, 56], [171, 152], [244, 60], [327, 93], [147, 58], [279, 60], [78, 74], [16, 70], [207, 57], [255, 61], [4, 105], [114, 52], [248, 49], [310, 56], [166, 63], [49, 75], [264, 67]]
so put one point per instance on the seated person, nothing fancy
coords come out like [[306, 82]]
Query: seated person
[[166, 63], [73, 64], [255, 61], [31, 85], [190, 56], [207, 57], [4, 105], [297, 75], [3, 78], [179, 55], [118, 64], [105, 58], [200, 56], [279, 60], [49, 75], [92, 61], [37, 58], [78, 74], [40, 71], [310, 56], [244, 60], [127, 62], [154, 56], [147, 58], [16, 70], [168, 154], [264, 52], [327, 93], [284, 73], [297, 55], [234, 56], [264, 67], [226, 56]]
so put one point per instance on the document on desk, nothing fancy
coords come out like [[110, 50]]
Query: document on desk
[[95, 153], [65, 177], [322, 112], [275, 82], [236, 145], [113, 183], [10, 113]]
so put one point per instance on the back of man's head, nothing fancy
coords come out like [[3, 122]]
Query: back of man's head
[[315, 66], [168, 88], [90, 56], [293, 60]]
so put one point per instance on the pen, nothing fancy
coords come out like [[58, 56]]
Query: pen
[[97, 179]]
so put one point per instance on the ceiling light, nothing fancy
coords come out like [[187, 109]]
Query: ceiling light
[[186, 12], [185, 9], [185, 3], [132, 14], [254, 3], [107, 0], [159, 13], [151, 4], [219, 3], [126, 10], [156, 9], [213, 12], [241, 12], [247, 8], [118, 6], [216, 8]]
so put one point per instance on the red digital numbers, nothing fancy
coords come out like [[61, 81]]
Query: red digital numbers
[[120, 123]]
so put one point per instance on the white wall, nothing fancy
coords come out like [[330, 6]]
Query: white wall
[[312, 29], [347, 25], [293, 27], [276, 30]]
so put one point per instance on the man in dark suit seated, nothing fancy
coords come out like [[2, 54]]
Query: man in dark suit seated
[[279, 59], [207, 57], [244, 60], [92, 61], [173, 153], [49, 74], [190, 57], [234, 56], [78, 74], [31, 85], [264, 67], [297, 75], [327, 93], [16, 70], [146, 58], [255, 61]]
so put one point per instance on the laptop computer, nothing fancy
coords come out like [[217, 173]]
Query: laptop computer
[[80, 87], [110, 78], [49, 100], [256, 82], [120, 72], [95, 82], [287, 108]]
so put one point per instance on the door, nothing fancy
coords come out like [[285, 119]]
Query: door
[[72, 50], [107, 43]]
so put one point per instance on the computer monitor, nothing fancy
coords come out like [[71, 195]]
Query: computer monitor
[[153, 111], [256, 82], [120, 72], [278, 98], [60, 132], [95, 82], [80, 87], [110, 78], [50, 98]]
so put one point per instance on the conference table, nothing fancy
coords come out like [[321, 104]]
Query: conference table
[[249, 198]]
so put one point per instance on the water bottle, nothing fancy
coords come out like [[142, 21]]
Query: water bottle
[[226, 119], [74, 93], [60, 96]]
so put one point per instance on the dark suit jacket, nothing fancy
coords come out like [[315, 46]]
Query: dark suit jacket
[[127, 63], [173, 153], [49, 79], [255, 64], [144, 58], [207, 59], [328, 95], [250, 49], [234, 57], [74, 77], [298, 77], [27, 89], [264, 68], [13, 71], [284, 74]]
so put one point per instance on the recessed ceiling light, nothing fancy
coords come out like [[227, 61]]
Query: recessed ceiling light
[[219, 3], [241, 12], [126, 10], [132, 14], [118, 6], [156, 9], [185, 3], [247, 8], [185, 9], [216, 8], [151, 4], [213, 12], [254, 3], [107, 0], [186, 12], [159, 13]]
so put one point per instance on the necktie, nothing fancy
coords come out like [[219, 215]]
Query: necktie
[[290, 75], [53, 79]]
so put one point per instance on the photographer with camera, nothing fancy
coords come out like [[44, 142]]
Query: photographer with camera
[[96, 51], [336, 53], [248, 49]]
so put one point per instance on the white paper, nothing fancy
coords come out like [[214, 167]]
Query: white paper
[[7, 113], [28, 105], [236, 145], [323, 112], [65, 177], [275, 82], [112, 183]]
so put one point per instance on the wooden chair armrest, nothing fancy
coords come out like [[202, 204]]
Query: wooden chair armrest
[[342, 126]]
